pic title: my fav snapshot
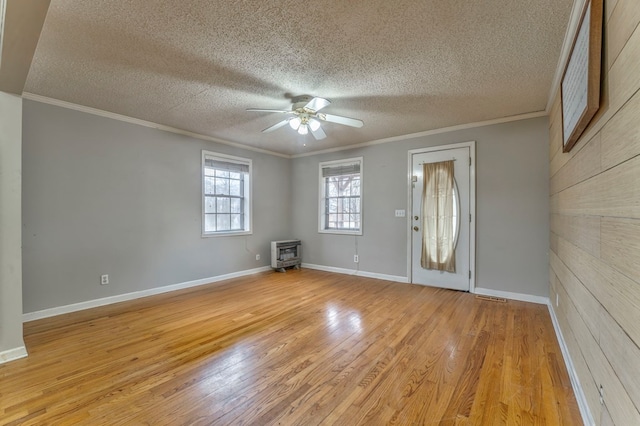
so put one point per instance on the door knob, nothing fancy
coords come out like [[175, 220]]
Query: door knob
[[415, 218], [415, 228]]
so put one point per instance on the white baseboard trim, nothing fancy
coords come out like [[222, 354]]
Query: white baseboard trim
[[358, 273], [541, 300], [573, 375], [13, 354], [51, 312]]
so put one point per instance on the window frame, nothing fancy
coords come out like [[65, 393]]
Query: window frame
[[247, 194], [322, 200]]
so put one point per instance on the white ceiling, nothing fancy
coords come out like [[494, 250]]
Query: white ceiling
[[402, 67]]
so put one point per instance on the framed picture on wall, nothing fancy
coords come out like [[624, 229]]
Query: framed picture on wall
[[580, 86]]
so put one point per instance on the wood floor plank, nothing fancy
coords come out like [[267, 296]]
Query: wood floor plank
[[300, 348]]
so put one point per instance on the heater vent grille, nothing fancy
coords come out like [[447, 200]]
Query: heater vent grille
[[491, 298]]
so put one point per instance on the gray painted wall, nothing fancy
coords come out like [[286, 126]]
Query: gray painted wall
[[106, 197], [10, 251], [511, 210], [102, 196]]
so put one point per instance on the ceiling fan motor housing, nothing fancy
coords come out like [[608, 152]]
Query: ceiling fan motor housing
[[302, 99]]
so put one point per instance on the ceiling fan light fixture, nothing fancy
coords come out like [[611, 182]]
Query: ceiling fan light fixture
[[314, 124], [307, 117], [295, 123]]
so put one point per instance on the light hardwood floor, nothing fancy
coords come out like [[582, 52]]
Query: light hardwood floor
[[304, 347]]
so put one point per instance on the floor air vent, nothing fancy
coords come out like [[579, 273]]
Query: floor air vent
[[491, 298]]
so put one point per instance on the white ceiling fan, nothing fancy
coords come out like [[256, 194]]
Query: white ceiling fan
[[306, 117]]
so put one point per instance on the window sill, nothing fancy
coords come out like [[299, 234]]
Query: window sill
[[226, 234], [340, 231]]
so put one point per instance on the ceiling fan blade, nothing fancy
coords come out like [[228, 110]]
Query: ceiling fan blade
[[276, 126], [341, 120], [318, 133], [268, 110], [316, 104]]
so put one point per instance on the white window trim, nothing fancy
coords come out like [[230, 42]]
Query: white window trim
[[321, 199], [248, 198]]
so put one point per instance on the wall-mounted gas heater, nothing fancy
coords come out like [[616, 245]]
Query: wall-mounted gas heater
[[285, 254]]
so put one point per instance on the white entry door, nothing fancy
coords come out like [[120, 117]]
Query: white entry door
[[461, 278]]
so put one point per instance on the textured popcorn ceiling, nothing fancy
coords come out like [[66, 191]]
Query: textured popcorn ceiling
[[401, 67]]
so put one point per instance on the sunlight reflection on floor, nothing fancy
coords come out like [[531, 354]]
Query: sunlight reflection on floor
[[352, 322]]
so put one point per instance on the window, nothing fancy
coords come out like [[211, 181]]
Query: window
[[226, 199], [439, 217], [341, 197]]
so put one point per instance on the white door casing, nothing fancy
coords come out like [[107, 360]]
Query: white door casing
[[464, 174]]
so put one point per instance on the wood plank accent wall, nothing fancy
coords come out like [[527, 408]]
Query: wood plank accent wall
[[595, 230]]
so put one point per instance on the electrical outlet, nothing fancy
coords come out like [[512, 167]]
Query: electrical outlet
[[104, 279], [356, 259], [400, 213], [257, 257]]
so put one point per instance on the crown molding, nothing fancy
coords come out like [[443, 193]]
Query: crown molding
[[126, 119], [429, 133]]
